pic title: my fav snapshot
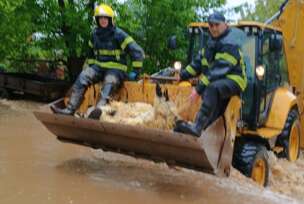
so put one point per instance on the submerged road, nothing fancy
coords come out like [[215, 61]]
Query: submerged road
[[35, 168]]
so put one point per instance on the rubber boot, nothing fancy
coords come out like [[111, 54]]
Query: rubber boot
[[106, 92], [195, 129], [73, 104]]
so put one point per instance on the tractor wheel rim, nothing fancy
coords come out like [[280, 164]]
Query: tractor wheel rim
[[294, 143], [259, 172]]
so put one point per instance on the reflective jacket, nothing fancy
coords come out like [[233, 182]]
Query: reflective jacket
[[221, 58], [109, 48]]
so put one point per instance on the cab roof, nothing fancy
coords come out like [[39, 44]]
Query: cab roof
[[262, 26]]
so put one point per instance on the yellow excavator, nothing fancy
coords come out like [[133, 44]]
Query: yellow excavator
[[267, 117]]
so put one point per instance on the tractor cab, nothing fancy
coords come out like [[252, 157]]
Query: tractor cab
[[265, 65], [269, 114]]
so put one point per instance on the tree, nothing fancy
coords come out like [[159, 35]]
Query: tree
[[65, 26], [14, 28], [262, 10], [44, 28], [152, 22]]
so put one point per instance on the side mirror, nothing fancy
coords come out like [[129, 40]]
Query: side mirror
[[275, 43], [172, 42]]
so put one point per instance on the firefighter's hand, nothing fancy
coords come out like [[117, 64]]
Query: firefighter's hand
[[194, 96]]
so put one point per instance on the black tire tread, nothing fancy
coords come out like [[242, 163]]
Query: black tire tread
[[283, 138], [244, 156]]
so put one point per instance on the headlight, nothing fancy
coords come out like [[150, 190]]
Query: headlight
[[177, 65], [260, 72]]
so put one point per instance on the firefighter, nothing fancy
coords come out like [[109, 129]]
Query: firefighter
[[222, 75], [109, 46]]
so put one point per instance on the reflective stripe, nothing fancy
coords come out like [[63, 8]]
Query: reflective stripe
[[126, 42], [109, 52], [191, 71], [109, 65], [205, 62], [91, 61], [90, 44], [204, 80], [227, 57], [115, 53], [137, 64], [239, 80], [243, 66]]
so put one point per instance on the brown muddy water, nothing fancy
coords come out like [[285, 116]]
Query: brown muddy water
[[35, 168]]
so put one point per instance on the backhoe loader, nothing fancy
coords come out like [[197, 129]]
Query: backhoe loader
[[267, 117]]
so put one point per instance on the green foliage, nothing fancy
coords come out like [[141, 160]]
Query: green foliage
[[152, 22], [12, 32], [44, 28], [67, 28], [262, 10]]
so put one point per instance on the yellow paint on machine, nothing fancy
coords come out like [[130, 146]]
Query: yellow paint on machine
[[282, 102]]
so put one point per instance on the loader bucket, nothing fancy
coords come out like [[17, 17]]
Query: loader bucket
[[211, 153]]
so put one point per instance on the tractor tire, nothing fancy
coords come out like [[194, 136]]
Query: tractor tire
[[251, 159], [289, 138]]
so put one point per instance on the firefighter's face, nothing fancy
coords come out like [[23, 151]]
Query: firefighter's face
[[216, 29], [103, 21]]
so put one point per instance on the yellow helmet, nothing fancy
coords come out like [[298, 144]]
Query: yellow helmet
[[103, 10]]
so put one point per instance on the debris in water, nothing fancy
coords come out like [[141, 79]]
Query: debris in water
[[161, 115]]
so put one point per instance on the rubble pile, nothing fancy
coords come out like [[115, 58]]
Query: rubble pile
[[161, 115]]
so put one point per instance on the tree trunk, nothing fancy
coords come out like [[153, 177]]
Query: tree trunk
[[74, 63]]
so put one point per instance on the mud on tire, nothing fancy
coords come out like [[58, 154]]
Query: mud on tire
[[283, 138], [246, 156]]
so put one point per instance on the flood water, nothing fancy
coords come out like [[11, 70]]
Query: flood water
[[35, 168]]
